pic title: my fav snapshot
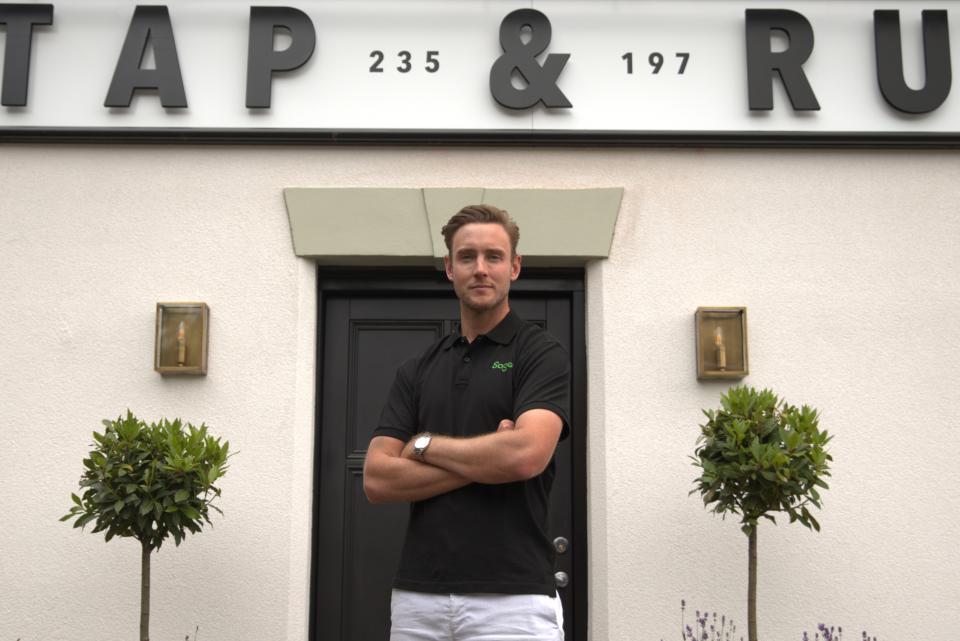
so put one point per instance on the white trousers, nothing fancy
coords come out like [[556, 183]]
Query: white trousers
[[420, 616]]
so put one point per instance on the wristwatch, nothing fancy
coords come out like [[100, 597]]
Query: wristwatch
[[422, 443]]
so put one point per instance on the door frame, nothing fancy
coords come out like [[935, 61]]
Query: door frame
[[428, 280]]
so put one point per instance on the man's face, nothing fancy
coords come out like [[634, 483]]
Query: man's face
[[481, 267]]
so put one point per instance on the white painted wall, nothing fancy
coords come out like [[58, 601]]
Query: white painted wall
[[844, 259]]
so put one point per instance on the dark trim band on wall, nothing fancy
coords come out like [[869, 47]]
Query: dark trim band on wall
[[555, 138]]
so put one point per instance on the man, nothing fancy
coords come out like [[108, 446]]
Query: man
[[467, 436]]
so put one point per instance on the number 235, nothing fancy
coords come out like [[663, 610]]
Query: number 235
[[405, 59]]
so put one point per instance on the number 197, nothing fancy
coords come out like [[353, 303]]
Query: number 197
[[655, 60]]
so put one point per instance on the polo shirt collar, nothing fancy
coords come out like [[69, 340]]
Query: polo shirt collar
[[503, 333]]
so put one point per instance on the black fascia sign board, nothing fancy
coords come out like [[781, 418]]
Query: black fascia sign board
[[150, 25]]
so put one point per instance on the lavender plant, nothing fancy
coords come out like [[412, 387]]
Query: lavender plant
[[823, 633], [706, 627]]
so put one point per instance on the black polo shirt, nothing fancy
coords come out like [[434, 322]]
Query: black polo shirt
[[480, 538]]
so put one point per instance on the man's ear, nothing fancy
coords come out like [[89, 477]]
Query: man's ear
[[447, 268], [515, 267]]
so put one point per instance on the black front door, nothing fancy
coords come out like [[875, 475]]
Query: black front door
[[368, 327]]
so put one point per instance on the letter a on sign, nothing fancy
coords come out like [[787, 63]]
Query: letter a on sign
[[150, 25]]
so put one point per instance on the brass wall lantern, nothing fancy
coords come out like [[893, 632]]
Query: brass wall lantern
[[181, 340], [721, 342]]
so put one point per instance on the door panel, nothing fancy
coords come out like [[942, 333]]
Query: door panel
[[364, 339]]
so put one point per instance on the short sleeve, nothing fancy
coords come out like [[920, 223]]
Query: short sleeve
[[544, 379], [399, 416]]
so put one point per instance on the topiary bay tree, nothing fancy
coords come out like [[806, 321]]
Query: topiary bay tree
[[761, 455], [149, 482]]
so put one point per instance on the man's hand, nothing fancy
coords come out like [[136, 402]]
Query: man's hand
[[407, 451]]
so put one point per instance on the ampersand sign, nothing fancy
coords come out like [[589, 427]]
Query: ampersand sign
[[541, 81]]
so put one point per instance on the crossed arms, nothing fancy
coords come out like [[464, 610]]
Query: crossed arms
[[515, 452]]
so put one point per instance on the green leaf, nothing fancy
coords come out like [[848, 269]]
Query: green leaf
[[118, 506], [76, 499], [181, 496], [83, 520]]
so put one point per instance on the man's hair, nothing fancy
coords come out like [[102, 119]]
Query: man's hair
[[481, 214]]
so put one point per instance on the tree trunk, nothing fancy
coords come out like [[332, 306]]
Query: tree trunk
[[145, 593], [752, 587]]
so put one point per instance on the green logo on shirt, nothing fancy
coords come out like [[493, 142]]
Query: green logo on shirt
[[503, 367]]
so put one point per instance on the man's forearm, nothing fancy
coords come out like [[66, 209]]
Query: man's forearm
[[515, 452], [390, 479], [490, 458]]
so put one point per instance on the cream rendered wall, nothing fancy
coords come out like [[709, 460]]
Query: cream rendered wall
[[846, 261]]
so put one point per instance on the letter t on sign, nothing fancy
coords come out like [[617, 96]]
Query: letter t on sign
[[19, 19], [762, 62]]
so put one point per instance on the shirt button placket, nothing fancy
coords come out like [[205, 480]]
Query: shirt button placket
[[463, 368]]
